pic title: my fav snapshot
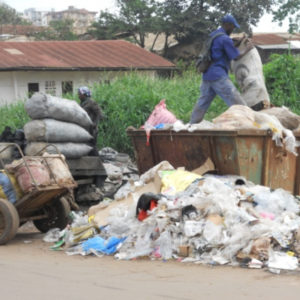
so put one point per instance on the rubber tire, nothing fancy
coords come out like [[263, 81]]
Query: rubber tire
[[11, 221], [59, 216]]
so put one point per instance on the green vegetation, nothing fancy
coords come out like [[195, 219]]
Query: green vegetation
[[185, 21], [13, 116], [282, 76], [129, 100]]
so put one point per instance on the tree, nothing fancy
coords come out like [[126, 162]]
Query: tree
[[188, 21], [9, 15], [288, 9], [61, 30], [136, 18]]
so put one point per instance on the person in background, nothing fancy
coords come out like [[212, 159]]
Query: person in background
[[94, 112], [215, 80]]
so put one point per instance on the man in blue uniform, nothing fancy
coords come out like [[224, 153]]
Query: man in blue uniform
[[215, 80]]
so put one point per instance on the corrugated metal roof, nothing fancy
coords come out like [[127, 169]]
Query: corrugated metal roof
[[273, 38], [88, 55], [20, 29]]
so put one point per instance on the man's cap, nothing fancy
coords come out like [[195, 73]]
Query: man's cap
[[230, 19], [84, 90]]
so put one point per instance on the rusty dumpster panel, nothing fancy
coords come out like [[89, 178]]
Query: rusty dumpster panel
[[248, 153], [241, 155]]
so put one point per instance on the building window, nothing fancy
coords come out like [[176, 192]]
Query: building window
[[32, 88], [67, 87], [50, 87]]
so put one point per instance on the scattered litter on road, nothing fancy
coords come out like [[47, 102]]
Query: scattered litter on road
[[212, 219]]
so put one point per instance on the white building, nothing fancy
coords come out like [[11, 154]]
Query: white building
[[38, 18], [59, 67]]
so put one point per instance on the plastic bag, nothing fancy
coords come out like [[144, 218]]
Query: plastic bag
[[175, 181], [161, 114], [280, 260], [164, 242], [53, 235], [7, 190]]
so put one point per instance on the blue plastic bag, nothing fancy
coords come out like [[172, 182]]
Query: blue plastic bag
[[8, 188], [101, 245]]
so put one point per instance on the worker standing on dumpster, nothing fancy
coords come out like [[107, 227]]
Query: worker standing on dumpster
[[94, 112], [215, 80]]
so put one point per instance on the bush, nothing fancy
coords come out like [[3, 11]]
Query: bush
[[282, 75]]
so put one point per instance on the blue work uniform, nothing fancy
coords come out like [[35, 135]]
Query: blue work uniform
[[215, 80]]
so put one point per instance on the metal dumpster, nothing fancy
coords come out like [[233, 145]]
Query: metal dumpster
[[248, 153]]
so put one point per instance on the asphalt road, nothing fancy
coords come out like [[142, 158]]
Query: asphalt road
[[29, 270]]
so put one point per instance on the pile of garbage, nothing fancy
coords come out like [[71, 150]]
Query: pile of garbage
[[119, 168], [57, 121], [207, 219], [280, 121]]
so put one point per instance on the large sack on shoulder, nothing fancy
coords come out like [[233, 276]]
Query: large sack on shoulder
[[248, 72], [235, 118], [69, 150], [42, 106], [49, 130], [287, 118]]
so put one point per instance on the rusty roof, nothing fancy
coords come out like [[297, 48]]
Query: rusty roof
[[20, 29], [78, 55], [274, 38]]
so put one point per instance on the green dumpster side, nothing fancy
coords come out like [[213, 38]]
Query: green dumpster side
[[248, 153]]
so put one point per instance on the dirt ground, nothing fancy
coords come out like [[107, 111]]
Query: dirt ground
[[29, 270]]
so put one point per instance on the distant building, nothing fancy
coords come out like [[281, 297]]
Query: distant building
[[269, 43], [38, 18], [60, 67], [19, 32], [82, 18]]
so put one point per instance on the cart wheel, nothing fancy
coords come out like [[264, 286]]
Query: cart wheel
[[58, 216], [9, 221]]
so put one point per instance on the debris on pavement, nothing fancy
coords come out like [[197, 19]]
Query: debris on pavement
[[213, 220]]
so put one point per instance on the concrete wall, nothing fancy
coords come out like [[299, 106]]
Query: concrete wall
[[14, 85]]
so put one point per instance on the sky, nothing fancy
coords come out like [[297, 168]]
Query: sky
[[265, 24]]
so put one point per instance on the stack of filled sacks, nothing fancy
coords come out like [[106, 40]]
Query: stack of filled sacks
[[57, 121]]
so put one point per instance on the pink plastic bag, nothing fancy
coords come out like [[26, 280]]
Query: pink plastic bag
[[159, 115]]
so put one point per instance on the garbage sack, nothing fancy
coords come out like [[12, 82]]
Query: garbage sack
[[236, 117], [49, 130], [30, 175], [59, 168], [42, 106], [160, 115], [69, 150], [287, 118], [248, 72], [6, 189]]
